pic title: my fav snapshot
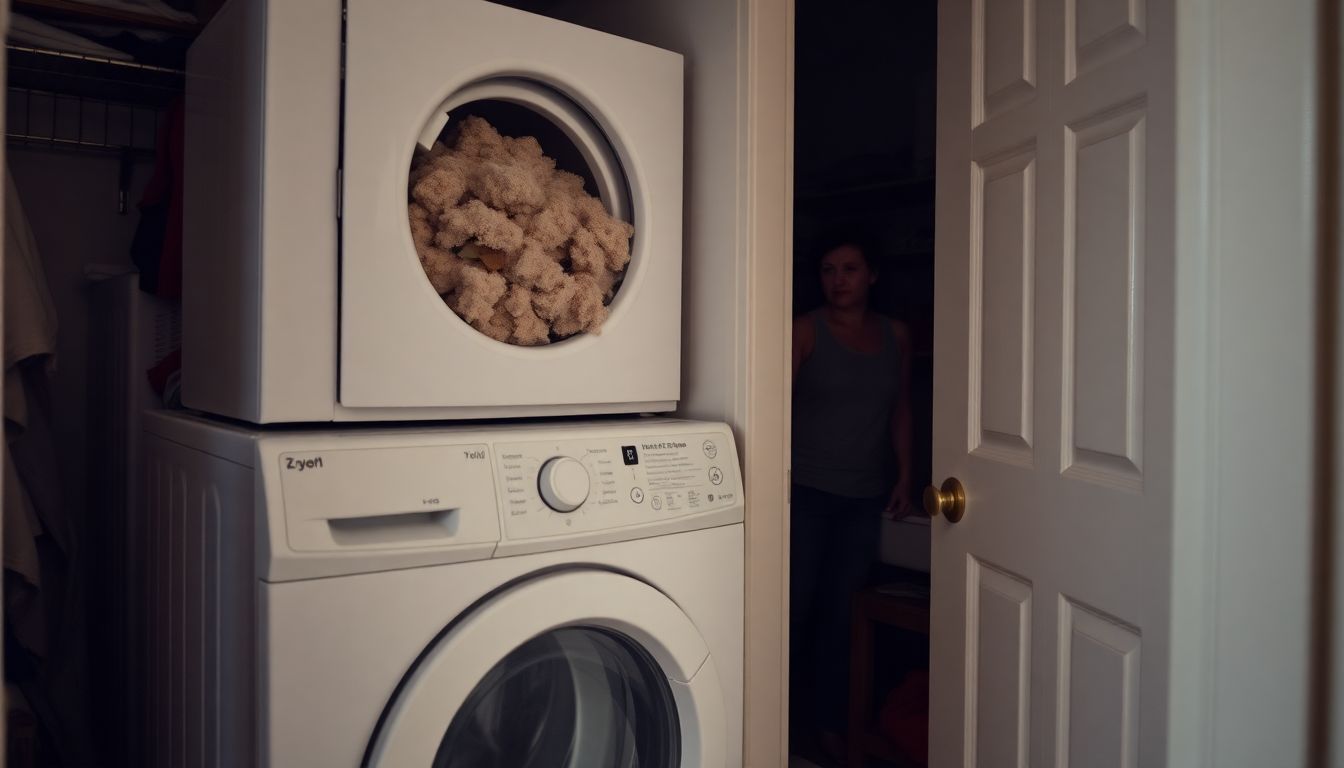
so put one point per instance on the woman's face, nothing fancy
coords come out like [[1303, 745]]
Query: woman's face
[[845, 277]]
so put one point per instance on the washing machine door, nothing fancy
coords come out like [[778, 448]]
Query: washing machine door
[[581, 668]]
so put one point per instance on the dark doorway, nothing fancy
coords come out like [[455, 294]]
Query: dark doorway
[[865, 126]]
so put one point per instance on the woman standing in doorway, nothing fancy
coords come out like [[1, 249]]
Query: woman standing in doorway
[[851, 424]]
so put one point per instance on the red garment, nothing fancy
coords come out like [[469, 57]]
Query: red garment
[[166, 185], [904, 718]]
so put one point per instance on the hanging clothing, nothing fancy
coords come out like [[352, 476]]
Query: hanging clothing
[[30, 354], [157, 246], [46, 651]]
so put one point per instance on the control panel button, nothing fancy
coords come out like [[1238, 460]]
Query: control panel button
[[711, 450], [715, 475], [657, 502], [563, 483], [637, 495]]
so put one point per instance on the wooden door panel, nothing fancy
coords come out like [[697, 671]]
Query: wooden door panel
[[1004, 51], [1100, 31], [1053, 333], [1098, 689], [1002, 283], [1104, 202], [999, 636]]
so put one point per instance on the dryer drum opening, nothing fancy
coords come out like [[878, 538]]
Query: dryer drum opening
[[520, 212]]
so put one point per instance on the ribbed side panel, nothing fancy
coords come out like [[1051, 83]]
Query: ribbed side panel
[[129, 331], [194, 623]]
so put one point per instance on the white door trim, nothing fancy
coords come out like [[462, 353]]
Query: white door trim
[[1331, 507], [1242, 501], [767, 157]]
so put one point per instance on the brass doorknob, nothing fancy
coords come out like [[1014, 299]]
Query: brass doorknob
[[948, 501]]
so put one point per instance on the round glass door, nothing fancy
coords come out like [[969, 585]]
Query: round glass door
[[580, 669], [576, 696]]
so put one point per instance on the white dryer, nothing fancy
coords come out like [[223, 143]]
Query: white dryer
[[527, 595], [318, 288]]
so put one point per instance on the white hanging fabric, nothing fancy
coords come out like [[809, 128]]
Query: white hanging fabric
[[29, 338], [44, 606]]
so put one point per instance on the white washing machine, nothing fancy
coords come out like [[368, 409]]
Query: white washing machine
[[309, 294], [514, 596]]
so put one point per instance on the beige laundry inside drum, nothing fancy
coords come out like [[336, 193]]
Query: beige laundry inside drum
[[520, 213]]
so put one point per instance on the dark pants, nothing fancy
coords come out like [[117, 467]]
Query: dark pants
[[832, 548]]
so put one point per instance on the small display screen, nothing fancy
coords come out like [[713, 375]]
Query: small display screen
[[629, 454]]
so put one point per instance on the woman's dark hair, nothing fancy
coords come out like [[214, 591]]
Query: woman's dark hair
[[857, 239]]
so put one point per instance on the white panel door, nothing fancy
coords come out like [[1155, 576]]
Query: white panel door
[[1053, 400]]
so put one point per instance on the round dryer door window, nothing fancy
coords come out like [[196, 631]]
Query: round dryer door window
[[574, 697], [578, 668]]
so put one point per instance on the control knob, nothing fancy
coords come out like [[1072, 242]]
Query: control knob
[[563, 483]]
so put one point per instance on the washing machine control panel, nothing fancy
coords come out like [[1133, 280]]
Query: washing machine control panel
[[566, 487]]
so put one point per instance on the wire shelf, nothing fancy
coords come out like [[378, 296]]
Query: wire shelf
[[92, 76], [49, 120], [76, 102]]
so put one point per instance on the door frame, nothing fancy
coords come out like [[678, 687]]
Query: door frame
[[1244, 378], [1327, 745], [1242, 526], [766, 159]]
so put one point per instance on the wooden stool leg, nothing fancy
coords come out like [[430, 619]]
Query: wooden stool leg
[[860, 681]]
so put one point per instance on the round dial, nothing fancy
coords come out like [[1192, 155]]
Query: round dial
[[563, 483]]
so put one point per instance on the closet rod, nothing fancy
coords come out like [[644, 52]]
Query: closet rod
[[130, 68], [79, 145]]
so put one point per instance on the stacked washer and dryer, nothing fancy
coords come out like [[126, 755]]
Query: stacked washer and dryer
[[417, 518]]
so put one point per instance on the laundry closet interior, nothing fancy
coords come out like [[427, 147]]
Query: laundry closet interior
[[96, 124]]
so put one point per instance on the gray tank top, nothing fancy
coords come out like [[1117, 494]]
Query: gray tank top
[[842, 403]]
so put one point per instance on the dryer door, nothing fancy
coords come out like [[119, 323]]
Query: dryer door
[[580, 668], [474, 275]]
